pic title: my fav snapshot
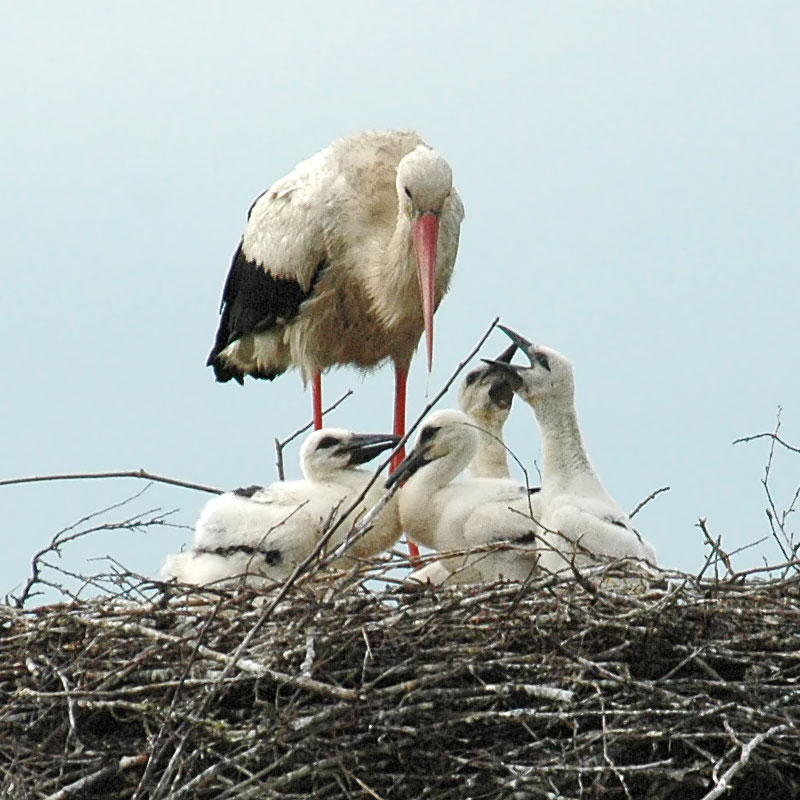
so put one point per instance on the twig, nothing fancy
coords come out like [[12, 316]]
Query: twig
[[133, 473], [774, 568], [773, 436], [78, 788], [724, 782], [64, 536], [371, 792], [715, 546], [647, 499]]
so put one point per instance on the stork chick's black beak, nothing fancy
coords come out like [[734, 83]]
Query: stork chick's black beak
[[363, 447], [519, 341], [416, 459], [509, 371], [529, 348], [508, 353]]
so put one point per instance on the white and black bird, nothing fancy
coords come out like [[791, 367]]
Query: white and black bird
[[343, 261], [485, 396], [579, 516], [435, 510], [265, 532]]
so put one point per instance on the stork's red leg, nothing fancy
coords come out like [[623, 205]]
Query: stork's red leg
[[316, 399], [400, 378]]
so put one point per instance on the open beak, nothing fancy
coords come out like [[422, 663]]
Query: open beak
[[408, 466], [527, 347], [363, 447], [509, 371], [425, 234], [501, 391], [507, 354], [519, 341]]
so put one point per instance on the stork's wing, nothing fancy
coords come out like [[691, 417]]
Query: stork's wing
[[280, 257]]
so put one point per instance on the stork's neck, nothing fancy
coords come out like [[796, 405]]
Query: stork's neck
[[392, 281], [353, 480], [491, 460], [417, 504], [565, 463]]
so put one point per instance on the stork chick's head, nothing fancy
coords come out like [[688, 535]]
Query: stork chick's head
[[486, 392], [445, 436], [548, 379], [424, 182], [329, 450]]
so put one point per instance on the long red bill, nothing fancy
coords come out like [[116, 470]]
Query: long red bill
[[425, 233]]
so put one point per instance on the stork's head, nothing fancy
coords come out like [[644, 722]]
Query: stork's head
[[447, 435], [424, 182], [548, 379], [486, 392], [328, 450]]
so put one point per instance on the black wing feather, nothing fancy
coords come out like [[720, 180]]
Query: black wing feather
[[254, 301]]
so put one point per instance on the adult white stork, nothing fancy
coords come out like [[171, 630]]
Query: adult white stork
[[343, 261], [265, 531]]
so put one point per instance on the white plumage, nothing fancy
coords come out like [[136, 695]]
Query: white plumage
[[485, 396], [582, 517], [343, 261], [436, 512], [266, 531]]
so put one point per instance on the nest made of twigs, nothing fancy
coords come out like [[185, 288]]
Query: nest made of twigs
[[564, 688]]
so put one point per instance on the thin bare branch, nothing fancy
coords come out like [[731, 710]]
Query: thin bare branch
[[773, 436], [133, 473], [647, 499]]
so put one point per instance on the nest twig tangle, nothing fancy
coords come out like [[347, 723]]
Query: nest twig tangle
[[672, 686]]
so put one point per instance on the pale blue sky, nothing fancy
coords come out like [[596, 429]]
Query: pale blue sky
[[631, 177]]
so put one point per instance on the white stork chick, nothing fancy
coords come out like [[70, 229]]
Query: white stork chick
[[579, 516], [435, 511], [343, 261], [485, 396], [268, 531]]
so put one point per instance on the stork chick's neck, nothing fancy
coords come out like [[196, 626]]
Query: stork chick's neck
[[565, 463], [350, 479], [491, 460]]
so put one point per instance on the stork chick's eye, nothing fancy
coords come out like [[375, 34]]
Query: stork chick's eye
[[542, 359], [328, 441], [408, 192], [472, 377], [427, 434]]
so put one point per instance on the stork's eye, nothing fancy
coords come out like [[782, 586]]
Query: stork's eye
[[428, 434], [408, 192], [542, 359], [328, 441]]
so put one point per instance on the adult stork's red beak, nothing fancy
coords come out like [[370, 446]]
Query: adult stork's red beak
[[425, 233]]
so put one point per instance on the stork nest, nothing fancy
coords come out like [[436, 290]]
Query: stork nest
[[342, 687]]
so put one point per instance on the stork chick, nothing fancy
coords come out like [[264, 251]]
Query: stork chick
[[267, 531], [485, 396], [436, 512], [580, 516]]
